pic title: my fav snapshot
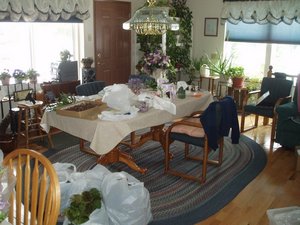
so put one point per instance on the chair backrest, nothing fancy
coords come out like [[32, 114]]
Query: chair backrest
[[277, 87], [90, 88], [218, 119], [36, 199]]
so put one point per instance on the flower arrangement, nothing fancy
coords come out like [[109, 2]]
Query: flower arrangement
[[19, 75], [155, 60]]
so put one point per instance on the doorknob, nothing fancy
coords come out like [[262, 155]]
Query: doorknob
[[98, 58]]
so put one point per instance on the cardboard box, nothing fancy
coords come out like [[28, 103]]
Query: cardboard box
[[89, 114]]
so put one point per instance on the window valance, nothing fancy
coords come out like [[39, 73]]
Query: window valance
[[43, 10], [261, 11]]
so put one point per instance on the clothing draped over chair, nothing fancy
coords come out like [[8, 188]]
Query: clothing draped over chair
[[228, 121], [206, 131]]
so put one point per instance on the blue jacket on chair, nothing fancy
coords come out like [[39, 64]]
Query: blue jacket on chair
[[229, 120]]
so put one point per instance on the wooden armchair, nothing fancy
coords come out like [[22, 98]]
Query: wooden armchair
[[206, 131], [279, 92], [36, 199]]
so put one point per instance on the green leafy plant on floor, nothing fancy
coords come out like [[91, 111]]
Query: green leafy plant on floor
[[82, 205]]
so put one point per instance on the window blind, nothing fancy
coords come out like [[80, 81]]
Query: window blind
[[264, 33]]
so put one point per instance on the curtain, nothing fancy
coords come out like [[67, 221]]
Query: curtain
[[261, 12], [43, 10]]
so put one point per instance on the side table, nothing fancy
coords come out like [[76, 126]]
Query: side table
[[211, 83]]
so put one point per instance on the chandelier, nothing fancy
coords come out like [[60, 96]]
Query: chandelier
[[151, 20]]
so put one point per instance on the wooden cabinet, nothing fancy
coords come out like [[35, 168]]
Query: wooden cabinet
[[53, 90]]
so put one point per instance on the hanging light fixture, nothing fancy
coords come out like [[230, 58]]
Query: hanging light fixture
[[151, 20]]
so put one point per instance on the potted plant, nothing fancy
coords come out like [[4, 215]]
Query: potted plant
[[219, 65], [87, 62], [19, 75], [237, 76], [5, 77], [65, 55], [32, 75]]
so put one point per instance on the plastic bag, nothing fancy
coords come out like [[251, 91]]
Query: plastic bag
[[64, 170], [126, 200], [97, 217], [81, 181], [118, 97]]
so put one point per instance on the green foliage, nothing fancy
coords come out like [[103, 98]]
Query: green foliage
[[199, 62], [4, 75], [253, 83], [236, 72], [82, 205], [220, 65], [32, 74], [19, 75], [178, 42], [65, 55]]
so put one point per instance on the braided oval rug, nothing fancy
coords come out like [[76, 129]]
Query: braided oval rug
[[175, 200]]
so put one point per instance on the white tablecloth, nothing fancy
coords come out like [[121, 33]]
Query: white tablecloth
[[105, 135]]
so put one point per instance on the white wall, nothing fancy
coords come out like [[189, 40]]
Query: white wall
[[206, 44], [201, 44]]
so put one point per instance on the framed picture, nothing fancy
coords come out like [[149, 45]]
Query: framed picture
[[211, 26]]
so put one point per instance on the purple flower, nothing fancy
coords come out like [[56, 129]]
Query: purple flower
[[155, 60]]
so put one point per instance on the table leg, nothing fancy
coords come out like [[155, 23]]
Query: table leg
[[156, 133], [115, 155]]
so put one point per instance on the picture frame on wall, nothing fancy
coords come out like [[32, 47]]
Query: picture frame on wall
[[211, 26]]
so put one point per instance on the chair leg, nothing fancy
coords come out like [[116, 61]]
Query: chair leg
[[221, 147], [204, 162], [186, 150], [256, 120], [243, 121], [274, 123], [167, 154]]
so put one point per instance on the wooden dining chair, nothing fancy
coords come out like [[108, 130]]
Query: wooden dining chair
[[36, 198], [206, 130]]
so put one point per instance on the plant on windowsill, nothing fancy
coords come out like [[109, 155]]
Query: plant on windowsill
[[237, 76], [65, 55], [32, 75], [19, 76], [5, 77]]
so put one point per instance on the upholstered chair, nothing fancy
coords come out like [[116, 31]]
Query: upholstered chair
[[288, 123], [90, 88], [279, 90]]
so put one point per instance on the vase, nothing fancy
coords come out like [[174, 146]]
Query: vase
[[5, 81], [158, 73]]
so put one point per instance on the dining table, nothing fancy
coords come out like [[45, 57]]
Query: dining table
[[104, 137]]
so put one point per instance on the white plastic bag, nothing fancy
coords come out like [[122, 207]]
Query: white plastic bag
[[118, 97], [81, 181], [64, 170], [126, 200], [97, 217]]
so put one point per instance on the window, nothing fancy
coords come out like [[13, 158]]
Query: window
[[255, 55], [37, 45]]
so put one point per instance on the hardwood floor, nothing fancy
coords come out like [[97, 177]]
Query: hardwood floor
[[277, 186]]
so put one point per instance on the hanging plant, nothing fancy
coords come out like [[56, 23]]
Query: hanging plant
[[178, 42]]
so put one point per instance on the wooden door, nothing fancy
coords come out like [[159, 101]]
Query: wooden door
[[112, 43]]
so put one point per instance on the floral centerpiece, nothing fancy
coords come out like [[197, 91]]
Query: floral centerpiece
[[155, 63]]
